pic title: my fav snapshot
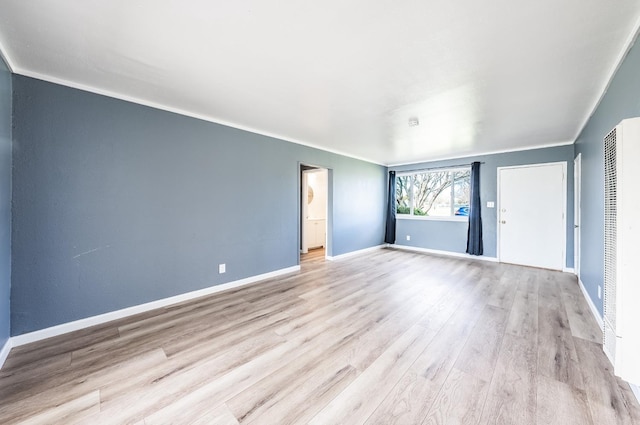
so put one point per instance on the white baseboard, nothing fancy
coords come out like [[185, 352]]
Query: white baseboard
[[636, 391], [447, 253], [141, 308], [569, 270], [592, 306], [4, 352], [352, 253]]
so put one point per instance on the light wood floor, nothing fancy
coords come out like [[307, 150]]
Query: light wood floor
[[388, 337], [313, 256]]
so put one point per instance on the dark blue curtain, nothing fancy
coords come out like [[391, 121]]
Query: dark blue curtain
[[474, 234], [390, 232]]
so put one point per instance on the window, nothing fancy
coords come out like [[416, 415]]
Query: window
[[441, 193]]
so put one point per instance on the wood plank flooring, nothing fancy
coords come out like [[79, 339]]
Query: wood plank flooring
[[387, 337]]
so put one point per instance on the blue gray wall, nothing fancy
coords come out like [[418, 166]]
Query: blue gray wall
[[452, 235], [117, 204], [622, 100], [5, 201]]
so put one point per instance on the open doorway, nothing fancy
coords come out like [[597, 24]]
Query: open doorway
[[314, 200]]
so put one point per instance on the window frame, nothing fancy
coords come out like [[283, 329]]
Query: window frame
[[411, 215]]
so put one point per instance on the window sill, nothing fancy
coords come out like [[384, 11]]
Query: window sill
[[463, 219]]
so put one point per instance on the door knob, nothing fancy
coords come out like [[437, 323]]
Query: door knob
[[503, 222]]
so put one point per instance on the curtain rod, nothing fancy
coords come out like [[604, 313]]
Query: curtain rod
[[437, 168]]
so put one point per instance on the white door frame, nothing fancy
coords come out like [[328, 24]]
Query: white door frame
[[577, 212], [564, 206], [302, 209]]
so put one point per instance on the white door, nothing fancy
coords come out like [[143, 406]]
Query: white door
[[531, 219], [577, 205]]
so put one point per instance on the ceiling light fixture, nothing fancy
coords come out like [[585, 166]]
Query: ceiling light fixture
[[413, 122]]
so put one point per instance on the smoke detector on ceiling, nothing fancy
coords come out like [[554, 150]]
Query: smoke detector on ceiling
[[413, 122]]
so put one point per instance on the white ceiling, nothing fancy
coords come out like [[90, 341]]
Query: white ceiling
[[345, 76]]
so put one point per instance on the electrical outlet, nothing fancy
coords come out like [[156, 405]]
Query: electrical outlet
[[599, 292], [408, 237], [222, 268]]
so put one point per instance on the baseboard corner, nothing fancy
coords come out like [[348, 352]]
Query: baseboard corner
[[4, 352]]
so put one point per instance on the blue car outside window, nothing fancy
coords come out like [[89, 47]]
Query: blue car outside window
[[462, 211]]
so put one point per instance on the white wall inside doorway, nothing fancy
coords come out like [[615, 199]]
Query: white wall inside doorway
[[315, 197]]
